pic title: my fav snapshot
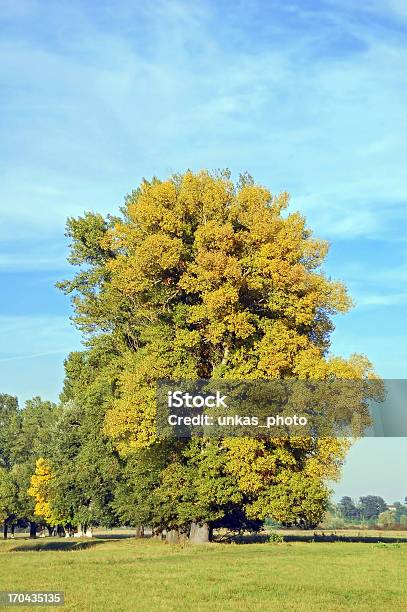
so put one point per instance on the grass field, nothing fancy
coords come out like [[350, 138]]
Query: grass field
[[110, 574]]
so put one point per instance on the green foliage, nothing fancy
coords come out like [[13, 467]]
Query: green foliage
[[24, 435], [371, 506], [400, 511], [9, 427], [275, 538], [8, 495], [332, 521], [82, 459], [198, 488], [348, 508]]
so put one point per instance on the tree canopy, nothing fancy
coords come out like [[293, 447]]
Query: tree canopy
[[202, 278]]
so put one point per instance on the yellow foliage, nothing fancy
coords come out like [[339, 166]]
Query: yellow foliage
[[211, 279], [39, 489]]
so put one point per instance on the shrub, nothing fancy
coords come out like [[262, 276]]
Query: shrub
[[386, 518], [275, 538]]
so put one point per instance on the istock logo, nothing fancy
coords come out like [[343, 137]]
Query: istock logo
[[177, 399]]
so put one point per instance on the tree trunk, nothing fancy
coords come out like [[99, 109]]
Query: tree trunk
[[157, 535], [172, 536], [33, 529], [139, 532], [5, 529], [200, 534], [175, 536]]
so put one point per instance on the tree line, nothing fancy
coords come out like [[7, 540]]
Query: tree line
[[372, 510], [197, 277]]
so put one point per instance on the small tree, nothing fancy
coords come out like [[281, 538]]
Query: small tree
[[400, 510], [403, 520], [387, 518], [332, 521], [41, 491]]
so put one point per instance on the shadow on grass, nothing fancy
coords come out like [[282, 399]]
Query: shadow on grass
[[342, 538], [317, 537], [59, 545], [116, 536]]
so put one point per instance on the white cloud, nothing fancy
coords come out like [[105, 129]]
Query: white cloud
[[32, 336]]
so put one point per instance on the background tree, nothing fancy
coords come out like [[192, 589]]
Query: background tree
[[348, 508], [386, 518], [82, 459], [9, 427], [403, 520], [371, 506], [24, 436], [8, 500], [400, 510], [134, 502]]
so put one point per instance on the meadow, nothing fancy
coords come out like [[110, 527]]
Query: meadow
[[113, 572]]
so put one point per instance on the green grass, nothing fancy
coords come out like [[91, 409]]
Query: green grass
[[128, 574]]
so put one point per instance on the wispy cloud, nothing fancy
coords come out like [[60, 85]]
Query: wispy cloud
[[33, 254], [28, 336], [98, 97], [27, 357], [376, 278]]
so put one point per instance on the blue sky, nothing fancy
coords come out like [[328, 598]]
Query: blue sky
[[309, 96]]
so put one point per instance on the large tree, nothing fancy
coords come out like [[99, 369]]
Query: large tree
[[201, 278]]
